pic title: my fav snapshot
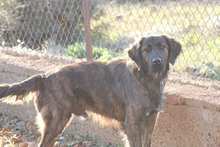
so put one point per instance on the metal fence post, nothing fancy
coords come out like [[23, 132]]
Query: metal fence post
[[88, 35]]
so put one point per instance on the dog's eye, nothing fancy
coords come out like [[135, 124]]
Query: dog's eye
[[161, 46], [147, 48]]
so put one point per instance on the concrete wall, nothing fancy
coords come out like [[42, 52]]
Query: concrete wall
[[191, 115]]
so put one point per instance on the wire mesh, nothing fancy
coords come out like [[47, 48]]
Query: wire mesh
[[43, 24]]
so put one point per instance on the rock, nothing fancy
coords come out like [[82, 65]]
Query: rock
[[18, 133], [5, 130], [8, 125], [30, 125], [23, 144], [21, 124], [7, 145], [14, 120], [6, 119], [14, 140], [32, 144], [87, 143]]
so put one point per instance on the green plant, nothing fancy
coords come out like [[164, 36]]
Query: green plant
[[101, 54], [34, 22], [191, 39], [77, 50], [105, 56], [100, 32], [206, 69]]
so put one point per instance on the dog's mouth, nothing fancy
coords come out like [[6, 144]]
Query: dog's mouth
[[157, 71], [156, 75], [157, 68]]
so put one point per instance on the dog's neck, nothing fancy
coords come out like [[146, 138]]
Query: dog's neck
[[144, 77], [155, 87]]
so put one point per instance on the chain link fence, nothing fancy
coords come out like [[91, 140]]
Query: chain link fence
[[58, 26]]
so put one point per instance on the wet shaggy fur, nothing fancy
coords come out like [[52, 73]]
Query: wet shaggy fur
[[127, 90]]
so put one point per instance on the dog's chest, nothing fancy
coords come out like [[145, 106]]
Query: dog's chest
[[148, 94]]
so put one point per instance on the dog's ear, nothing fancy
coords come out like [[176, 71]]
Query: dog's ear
[[134, 52], [174, 48]]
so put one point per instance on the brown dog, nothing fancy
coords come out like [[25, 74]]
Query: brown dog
[[127, 90]]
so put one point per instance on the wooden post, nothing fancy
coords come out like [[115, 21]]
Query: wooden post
[[88, 35]]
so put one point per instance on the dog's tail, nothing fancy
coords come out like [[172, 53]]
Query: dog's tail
[[13, 93]]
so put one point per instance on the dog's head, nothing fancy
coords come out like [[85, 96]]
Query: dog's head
[[154, 53]]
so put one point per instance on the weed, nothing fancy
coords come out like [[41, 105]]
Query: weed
[[77, 50]]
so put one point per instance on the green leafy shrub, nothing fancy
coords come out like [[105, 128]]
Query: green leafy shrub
[[206, 69], [34, 22], [77, 50]]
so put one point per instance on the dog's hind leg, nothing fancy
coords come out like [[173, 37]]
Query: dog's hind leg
[[55, 119]]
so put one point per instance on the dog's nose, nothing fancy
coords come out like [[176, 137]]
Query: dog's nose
[[156, 60]]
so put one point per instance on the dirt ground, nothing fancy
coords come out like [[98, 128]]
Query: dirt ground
[[192, 104], [17, 133]]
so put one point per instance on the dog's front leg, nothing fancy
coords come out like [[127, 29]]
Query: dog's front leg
[[147, 127], [132, 126], [139, 126]]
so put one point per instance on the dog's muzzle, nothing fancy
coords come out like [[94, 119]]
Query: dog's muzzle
[[157, 65]]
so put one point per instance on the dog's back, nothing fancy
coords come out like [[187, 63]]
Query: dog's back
[[86, 86]]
